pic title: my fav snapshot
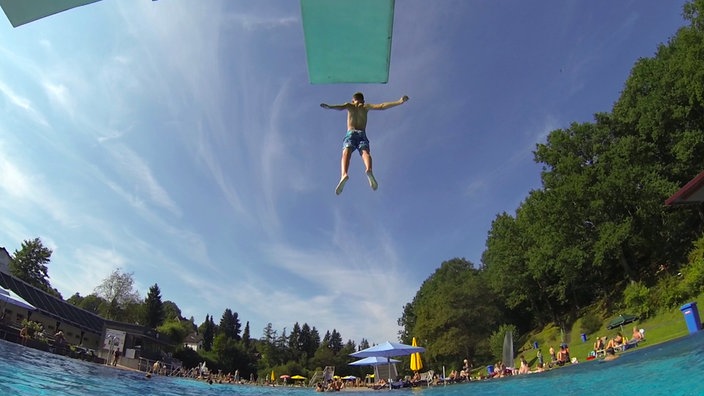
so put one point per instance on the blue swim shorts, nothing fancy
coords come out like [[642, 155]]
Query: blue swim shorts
[[356, 140]]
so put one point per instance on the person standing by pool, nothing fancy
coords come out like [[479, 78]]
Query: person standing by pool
[[59, 338], [116, 358], [540, 357], [24, 334]]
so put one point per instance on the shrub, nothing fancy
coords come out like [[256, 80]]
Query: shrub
[[697, 252], [636, 296], [34, 329], [692, 283], [496, 340], [667, 294], [591, 323]]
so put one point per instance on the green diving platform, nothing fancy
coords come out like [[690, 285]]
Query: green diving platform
[[20, 12], [348, 41]]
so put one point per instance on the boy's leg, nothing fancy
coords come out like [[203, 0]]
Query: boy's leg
[[367, 158], [345, 162], [344, 167]]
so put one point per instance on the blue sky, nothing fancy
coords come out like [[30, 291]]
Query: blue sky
[[182, 142]]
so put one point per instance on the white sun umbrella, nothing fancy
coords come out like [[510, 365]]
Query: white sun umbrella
[[388, 350], [373, 361], [10, 297]]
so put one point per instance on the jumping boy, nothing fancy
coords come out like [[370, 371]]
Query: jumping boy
[[356, 138]]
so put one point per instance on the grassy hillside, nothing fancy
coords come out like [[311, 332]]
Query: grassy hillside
[[663, 327]]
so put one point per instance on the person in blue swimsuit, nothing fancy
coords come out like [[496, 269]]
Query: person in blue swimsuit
[[356, 137]]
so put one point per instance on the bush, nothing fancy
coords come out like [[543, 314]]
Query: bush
[[692, 283], [697, 252], [667, 294], [591, 323], [496, 340], [34, 329], [636, 296]]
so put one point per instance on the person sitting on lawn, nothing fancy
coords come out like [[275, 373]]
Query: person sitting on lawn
[[563, 356], [599, 345], [524, 369], [637, 335], [617, 342]]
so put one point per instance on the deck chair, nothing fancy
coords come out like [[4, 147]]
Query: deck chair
[[328, 373], [386, 371]]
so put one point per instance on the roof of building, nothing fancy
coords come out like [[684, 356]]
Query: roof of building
[[691, 193], [52, 306], [193, 338]]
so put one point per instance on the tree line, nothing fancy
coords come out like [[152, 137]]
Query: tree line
[[596, 235], [226, 345]]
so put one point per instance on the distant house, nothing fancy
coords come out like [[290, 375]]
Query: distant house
[[193, 341]]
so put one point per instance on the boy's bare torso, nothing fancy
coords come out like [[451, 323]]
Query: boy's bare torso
[[357, 116]]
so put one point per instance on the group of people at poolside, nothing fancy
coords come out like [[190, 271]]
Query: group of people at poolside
[[558, 358], [332, 385], [618, 343]]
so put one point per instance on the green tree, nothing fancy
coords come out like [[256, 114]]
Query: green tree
[[452, 314], [118, 292], [295, 343], [208, 331], [246, 341], [175, 331], [231, 353], [333, 341], [230, 324], [172, 311], [154, 308], [90, 303], [30, 264], [309, 340], [268, 347]]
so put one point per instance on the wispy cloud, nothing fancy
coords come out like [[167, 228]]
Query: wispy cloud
[[254, 22], [95, 263], [29, 193], [135, 169], [24, 104]]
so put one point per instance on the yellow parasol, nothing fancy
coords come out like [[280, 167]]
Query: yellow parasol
[[273, 377], [416, 362]]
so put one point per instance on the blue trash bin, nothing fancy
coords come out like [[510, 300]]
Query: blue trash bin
[[691, 317], [490, 369], [584, 337]]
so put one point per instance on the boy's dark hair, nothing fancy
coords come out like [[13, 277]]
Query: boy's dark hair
[[359, 96]]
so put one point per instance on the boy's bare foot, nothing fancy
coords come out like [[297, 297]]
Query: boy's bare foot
[[341, 185], [372, 180]]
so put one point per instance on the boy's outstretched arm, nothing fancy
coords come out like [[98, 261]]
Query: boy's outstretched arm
[[336, 107], [387, 105]]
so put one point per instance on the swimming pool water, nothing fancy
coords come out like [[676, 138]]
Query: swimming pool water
[[672, 368]]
